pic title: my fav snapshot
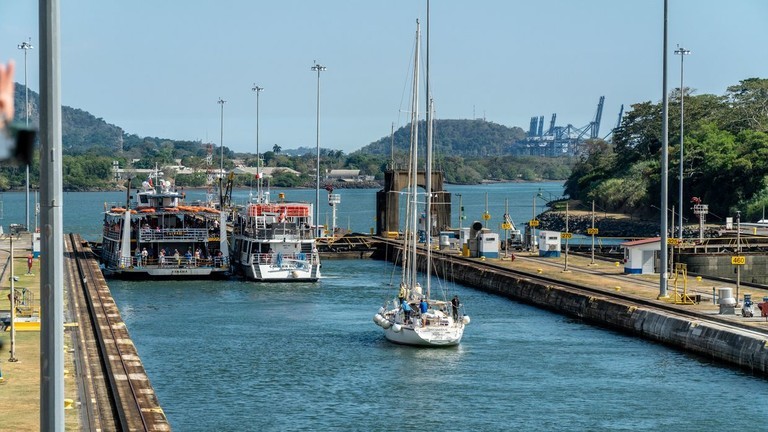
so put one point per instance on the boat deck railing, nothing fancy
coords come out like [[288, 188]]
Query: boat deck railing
[[279, 234], [138, 262], [112, 231], [173, 234], [165, 234], [300, 259]]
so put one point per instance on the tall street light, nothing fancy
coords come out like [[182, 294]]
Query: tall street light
[[258, 90], [26, 46], [319, 68], [663, 275], [221, 163], [682, 52]]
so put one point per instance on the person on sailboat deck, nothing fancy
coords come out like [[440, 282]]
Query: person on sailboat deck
[[423, 306], [455, 306], [401, 295], [407, 310]]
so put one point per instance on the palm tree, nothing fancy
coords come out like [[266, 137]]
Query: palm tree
[[276, 148]]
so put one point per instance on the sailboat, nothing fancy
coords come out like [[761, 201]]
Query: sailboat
[[413, 317]]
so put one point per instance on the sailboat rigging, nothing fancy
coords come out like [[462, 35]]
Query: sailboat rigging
[[414, 317]]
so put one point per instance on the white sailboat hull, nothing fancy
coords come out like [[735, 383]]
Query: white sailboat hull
[[425, 336]]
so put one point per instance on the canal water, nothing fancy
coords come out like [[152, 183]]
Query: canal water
[[237, 355], [245, 356]]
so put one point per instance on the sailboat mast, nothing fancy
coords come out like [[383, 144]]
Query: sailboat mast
[[428, 206], [414, 158], [428, 170]]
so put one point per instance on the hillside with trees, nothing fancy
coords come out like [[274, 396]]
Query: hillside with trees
[[468, 138], [468, 151], [725, 156]]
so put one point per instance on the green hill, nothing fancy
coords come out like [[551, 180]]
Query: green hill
[[468, 151], [467, 138]]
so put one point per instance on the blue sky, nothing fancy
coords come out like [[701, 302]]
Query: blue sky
[[158, 68]]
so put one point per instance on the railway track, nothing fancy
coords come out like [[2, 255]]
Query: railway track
[[115, 391]]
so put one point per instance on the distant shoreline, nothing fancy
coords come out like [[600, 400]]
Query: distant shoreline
[[357, 185]]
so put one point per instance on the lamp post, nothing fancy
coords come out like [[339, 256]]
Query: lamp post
[[682, 52], [26, 46], [663, 275], [318, 68], [221, 162], [738, 253], [13, 306], [258, 90]]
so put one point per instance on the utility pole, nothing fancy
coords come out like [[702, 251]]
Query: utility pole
[[318, 68], [13, 306], [567, 236], [593, 233], [663, 274], [738, 253], [258, 90], [51, 221], [221, 163], [26, 46], [682, 52]]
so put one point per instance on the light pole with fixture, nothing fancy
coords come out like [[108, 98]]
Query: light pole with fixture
[[682, 52], [258, 90], [663, 273], [221, 162], [26, 46], [318, 68]]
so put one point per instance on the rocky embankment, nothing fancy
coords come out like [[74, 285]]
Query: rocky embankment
[[612, 225], [609, 226]]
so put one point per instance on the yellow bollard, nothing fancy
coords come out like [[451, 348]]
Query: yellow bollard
[[618, 288], [616, 263], [539, 270], [698, 278], [68, 403], [482, 258]]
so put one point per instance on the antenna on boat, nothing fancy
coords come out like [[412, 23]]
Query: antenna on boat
[[128, 193]]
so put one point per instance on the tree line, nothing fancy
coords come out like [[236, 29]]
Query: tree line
[[468, 151], [725, 157]]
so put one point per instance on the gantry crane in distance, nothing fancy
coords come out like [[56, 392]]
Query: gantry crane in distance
[[559, 140]]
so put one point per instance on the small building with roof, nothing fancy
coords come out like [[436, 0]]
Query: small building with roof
[[641, 256], [266, 172]]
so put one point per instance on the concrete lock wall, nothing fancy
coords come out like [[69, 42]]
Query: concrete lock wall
[[755, 270], [706, 339]]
